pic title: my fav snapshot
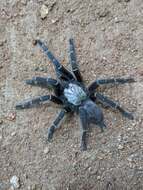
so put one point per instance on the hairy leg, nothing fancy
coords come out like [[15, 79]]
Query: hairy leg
[[56, 124], [60, 70], [37, 101], [73, 62], [96, 83], [84, 125], [46, 83], [104, 100]]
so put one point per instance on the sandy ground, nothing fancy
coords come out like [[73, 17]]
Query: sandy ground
[[109, 42]]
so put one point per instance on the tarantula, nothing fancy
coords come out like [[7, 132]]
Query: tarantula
[[72, 95]]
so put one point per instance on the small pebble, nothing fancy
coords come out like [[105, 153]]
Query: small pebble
[[98, 177], [120, 147], [116, 20], [41, 69], [15, 182], [104, 58], [13, 134], [44, 11], [46, 150], [53, 21], [11, 116]]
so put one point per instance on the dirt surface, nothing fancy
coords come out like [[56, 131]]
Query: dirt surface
[[109, 42]]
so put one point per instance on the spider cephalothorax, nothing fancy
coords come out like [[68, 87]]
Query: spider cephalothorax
[[72, 95]]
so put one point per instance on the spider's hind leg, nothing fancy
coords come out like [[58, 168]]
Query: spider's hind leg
[[60, 69], [56, 124], [104, 100], [84, 125], [73, 62], [92, 87], [115, 81]]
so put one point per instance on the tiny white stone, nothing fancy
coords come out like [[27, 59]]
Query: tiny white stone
[[15, 182], [53, 21], [46, 150], [44, 11], [13, 133], [116, 19], [98, 177], [120, 147]]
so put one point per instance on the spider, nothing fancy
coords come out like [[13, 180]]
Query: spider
[[70, 92]]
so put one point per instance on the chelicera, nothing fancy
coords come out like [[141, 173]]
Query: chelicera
[[72, 94]]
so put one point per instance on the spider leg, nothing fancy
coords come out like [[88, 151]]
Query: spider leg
[[42, 82], [37, 101], [73, 62], [45, 83], [60, 70], [96, 83], [56, 124], [102, 126], [84, 125], [104, 100]]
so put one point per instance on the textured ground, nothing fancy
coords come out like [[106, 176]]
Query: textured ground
[[109, 42]]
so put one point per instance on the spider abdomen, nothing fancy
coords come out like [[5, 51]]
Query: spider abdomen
[[75, 94]]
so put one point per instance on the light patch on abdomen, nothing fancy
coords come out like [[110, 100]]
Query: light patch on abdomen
[[74, 94]]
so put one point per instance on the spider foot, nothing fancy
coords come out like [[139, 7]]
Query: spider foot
[[21, 106], [18, 106], [129, 115], [83, 146], [51, 131], [102, 126]]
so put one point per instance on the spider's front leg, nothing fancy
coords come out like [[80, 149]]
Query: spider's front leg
[[84, 126], [56, 124], [61, 72], [37, 101], [99, 82], [72, 60], [42, 82], [45, 83], [104, 100]]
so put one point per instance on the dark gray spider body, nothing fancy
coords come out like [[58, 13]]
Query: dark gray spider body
[[72, 95]]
